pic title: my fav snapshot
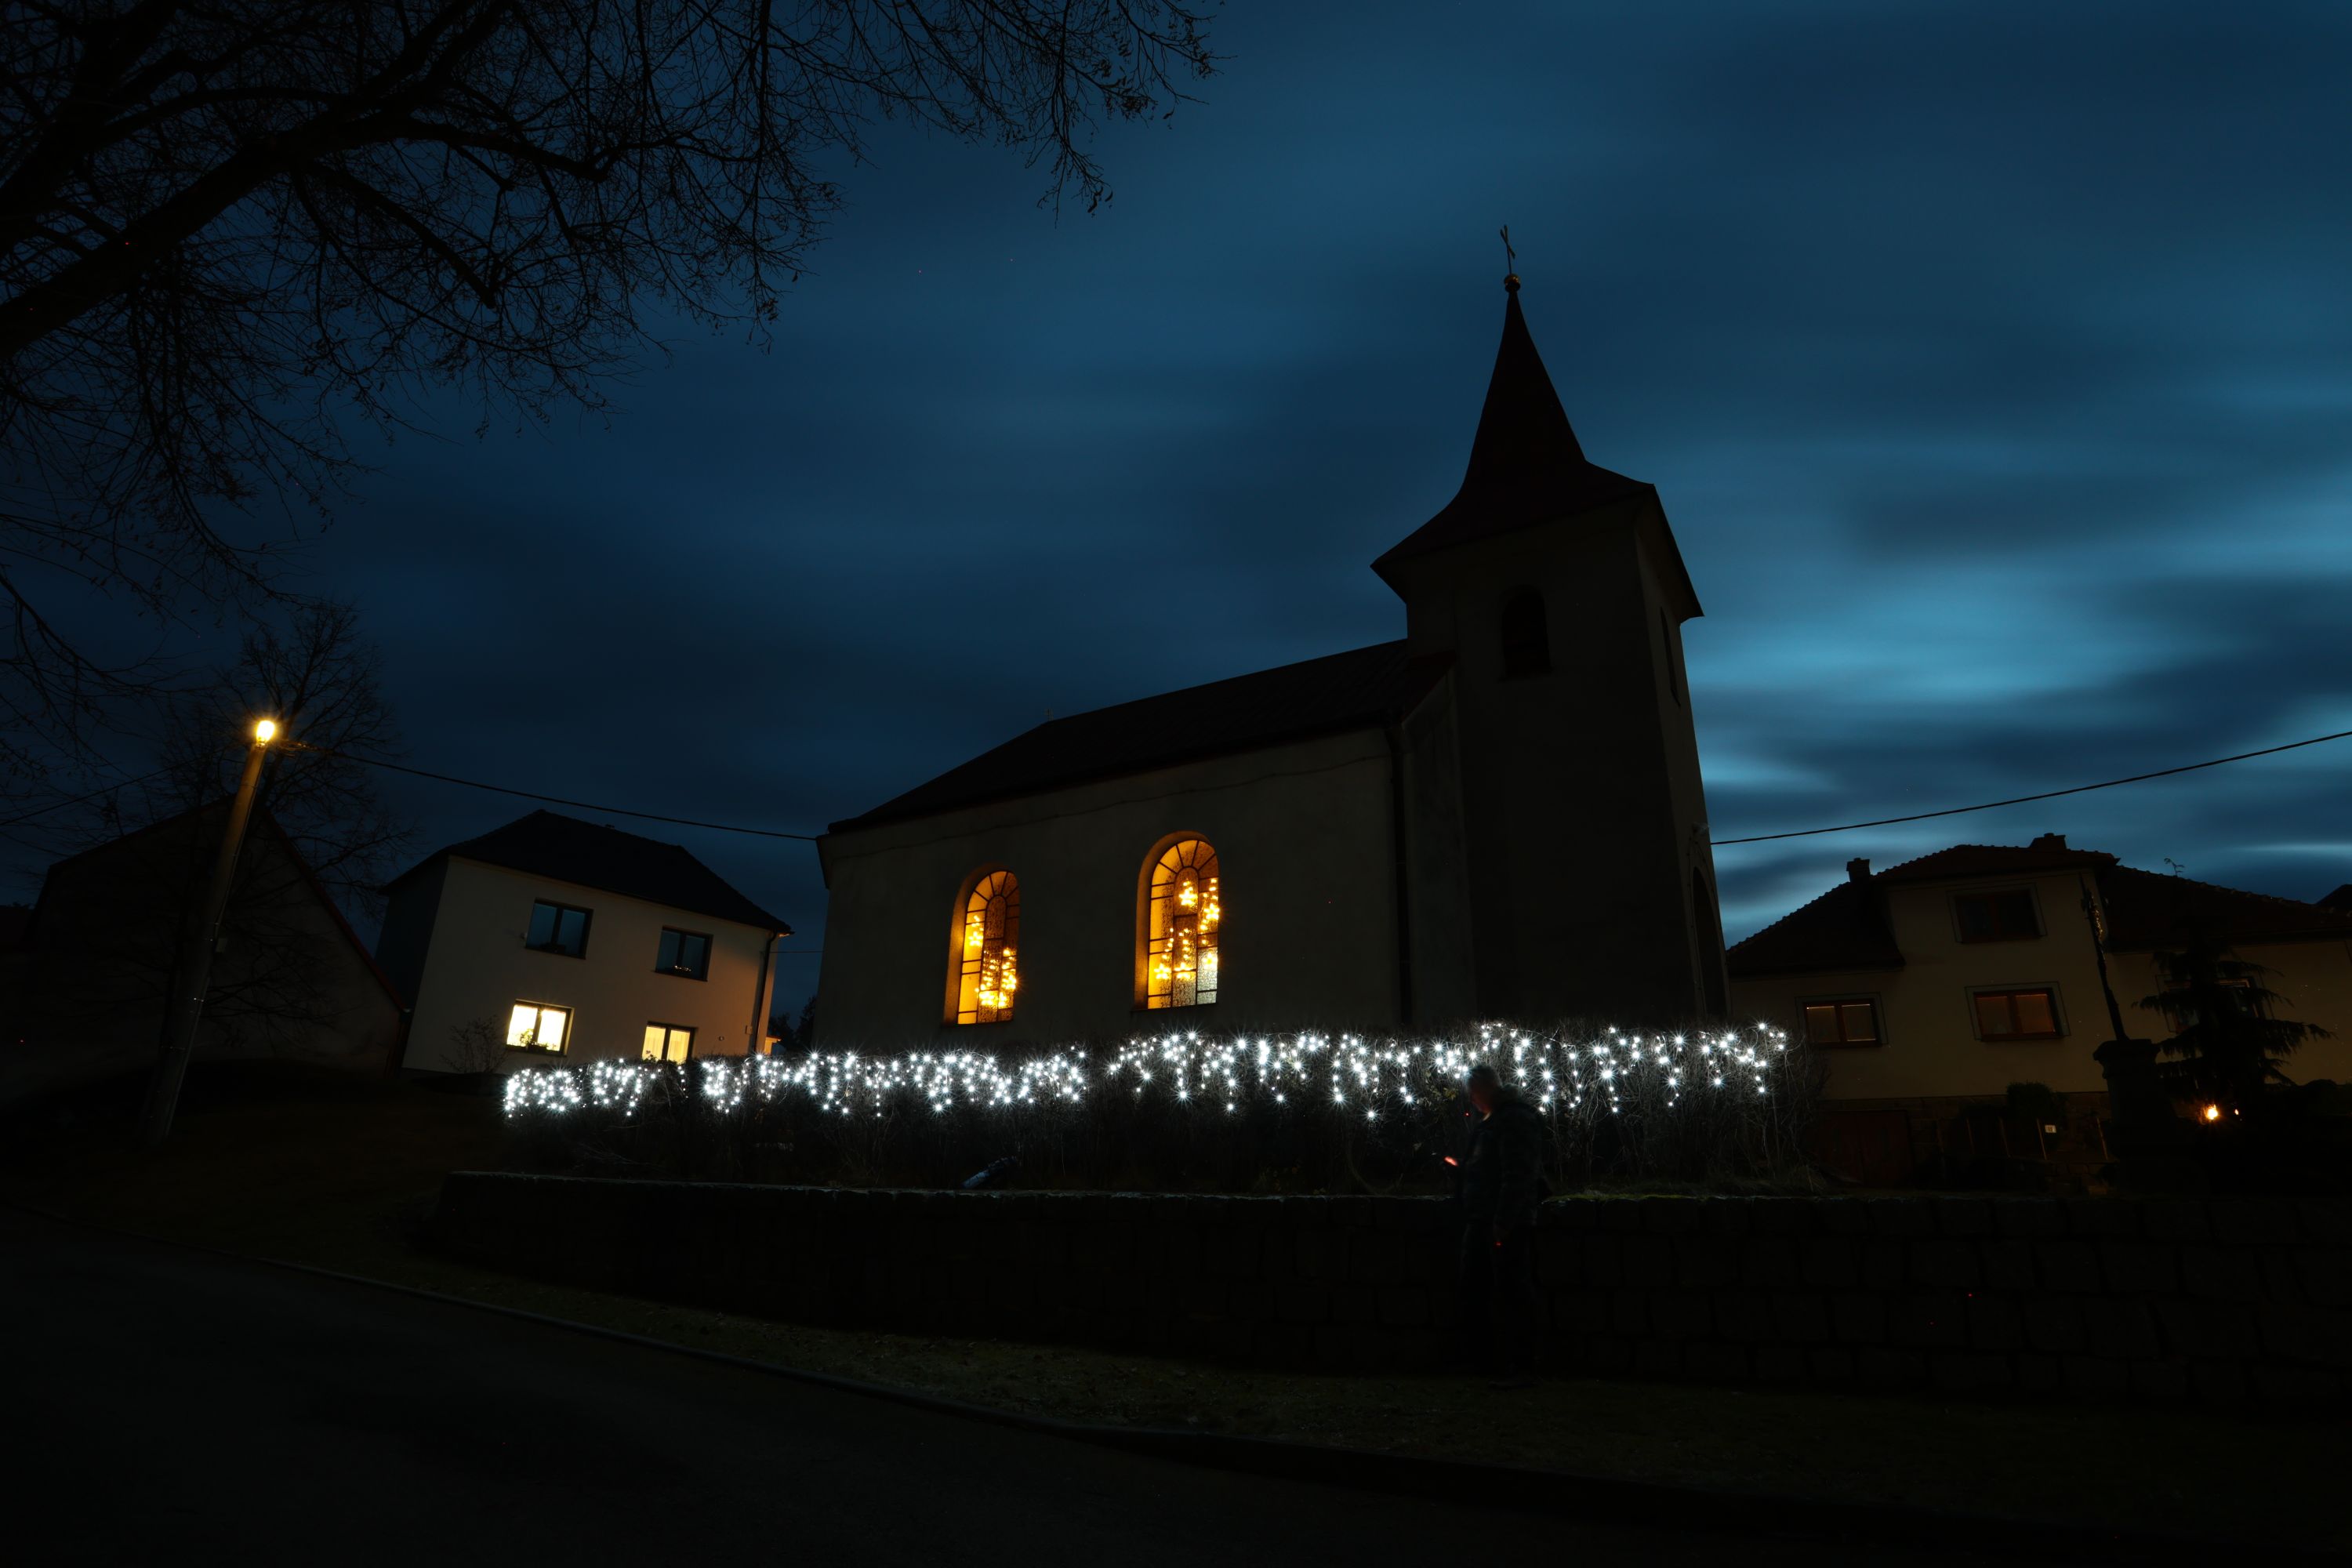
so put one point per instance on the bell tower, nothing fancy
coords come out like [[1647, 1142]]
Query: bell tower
[[1556, 591]]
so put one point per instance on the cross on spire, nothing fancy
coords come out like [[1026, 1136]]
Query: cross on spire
[[1510, 263]]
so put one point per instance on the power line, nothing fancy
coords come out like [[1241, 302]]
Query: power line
[[551, 799], [1719, 844], [2045, 794], [76, 800]]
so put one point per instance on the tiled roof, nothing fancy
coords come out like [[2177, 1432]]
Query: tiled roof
[[590, 854], [2150, 909], [1846, 928], [1996, 860], [1367, 687], [1843, 928], [2341, 898], [1525, 464]]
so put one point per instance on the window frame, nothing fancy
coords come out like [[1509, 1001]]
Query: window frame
[[1842, 1000], [1209, 869], [703, 936], [570, 1022], [2033, 908], [960, 967], [670, 1030], [2014, 990], [587, 927]]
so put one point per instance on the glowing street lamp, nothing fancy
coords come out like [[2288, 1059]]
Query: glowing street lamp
[[194, 970]]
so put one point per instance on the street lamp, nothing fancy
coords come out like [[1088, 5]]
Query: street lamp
[[194, 971]]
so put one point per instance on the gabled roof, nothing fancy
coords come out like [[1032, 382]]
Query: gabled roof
[[2150, 909], [1996, 861], [1525, 464], [1369, 688], [1846, 928], [261, 825], [590, 854], [2341, 898]]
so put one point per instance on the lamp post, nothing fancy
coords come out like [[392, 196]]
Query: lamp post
[[194, 971]]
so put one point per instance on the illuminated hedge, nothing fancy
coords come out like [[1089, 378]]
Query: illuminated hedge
[[1686, 1102]]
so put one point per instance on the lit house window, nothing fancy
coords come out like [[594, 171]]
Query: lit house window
[[988, 969], [685, 953], [559, 928], [1996, 917], [536, 1026], [1845, 1021], [1180, 928], [2027, 1014], [668, 1043]]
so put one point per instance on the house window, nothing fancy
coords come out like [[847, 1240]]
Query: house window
[[536, 1026], [558, 927], [685, 953], [988, 967], [1527, 639], [668, 1043], [2006, 916], [1841, 1021], [2028, 1014], [1186, 911]]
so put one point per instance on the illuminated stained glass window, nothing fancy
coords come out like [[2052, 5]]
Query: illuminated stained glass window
[[1187, 911], [988, 961]]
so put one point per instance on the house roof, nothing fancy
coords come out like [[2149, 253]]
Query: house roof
[[16, 921], [2150, 909], [590, 854], [2341, 898], [262, 824], [1996, 861], [1846, 928], [1360, 689], [1525, 464]]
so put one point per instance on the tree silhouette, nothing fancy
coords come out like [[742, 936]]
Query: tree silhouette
[[224, 227], [2226, 1045]]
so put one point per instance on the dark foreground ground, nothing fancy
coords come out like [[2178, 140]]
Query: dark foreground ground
[[336, 1170], [167, 1404]]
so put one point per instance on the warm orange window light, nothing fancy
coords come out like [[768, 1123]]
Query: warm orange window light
[[1180, 935], [989, 969]]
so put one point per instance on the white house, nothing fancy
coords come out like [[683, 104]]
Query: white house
[[554, 937], [1499, 815], [1933, 986]]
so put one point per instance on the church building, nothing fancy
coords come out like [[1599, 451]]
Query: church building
[[1498, 816]]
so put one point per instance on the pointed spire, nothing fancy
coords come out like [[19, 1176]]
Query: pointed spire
[[1525, 463]]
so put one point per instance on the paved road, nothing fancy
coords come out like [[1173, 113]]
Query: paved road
[[160, 1405]]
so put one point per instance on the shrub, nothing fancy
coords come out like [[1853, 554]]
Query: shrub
[[1182, 1112]]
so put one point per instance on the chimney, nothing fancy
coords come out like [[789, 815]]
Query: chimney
[[2049, 841], [1857, 870]]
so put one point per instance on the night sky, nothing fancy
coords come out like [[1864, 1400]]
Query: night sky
[[1994, 363]]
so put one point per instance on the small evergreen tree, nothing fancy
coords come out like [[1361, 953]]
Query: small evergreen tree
[[2226, 1043]]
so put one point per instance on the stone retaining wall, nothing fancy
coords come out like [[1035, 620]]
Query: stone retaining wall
[[2222, 1300]]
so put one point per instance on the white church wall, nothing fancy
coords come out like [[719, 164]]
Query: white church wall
[[1304, 834]]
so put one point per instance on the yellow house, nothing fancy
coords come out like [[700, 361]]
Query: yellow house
[[556, 937], [1930, 987]]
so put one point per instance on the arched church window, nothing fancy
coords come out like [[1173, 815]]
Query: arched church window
[[1184, 914], [988, 968], [1527, 639]]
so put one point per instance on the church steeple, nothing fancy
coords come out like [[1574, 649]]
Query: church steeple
[[1525, 464]]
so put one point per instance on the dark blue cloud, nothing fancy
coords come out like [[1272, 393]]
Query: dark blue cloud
[[1994, 362]]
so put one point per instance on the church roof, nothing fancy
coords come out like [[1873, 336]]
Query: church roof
[[1367, 687], [590, 854], [1525, 464]]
